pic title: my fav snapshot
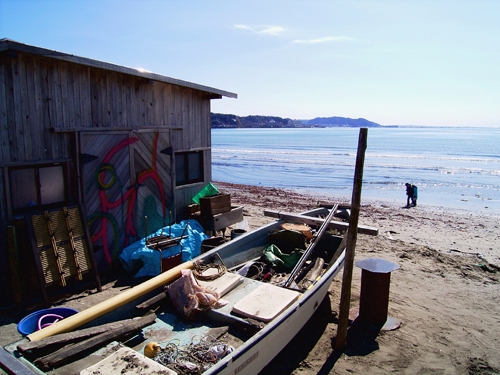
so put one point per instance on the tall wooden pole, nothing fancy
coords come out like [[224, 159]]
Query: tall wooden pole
[[352, 234]]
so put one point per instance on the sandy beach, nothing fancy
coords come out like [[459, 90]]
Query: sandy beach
[[445, 293]]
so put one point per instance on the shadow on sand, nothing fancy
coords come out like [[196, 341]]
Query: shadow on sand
[[298, 349], [360, 342]]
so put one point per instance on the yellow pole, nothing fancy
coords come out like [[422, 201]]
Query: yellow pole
[[85, 316]]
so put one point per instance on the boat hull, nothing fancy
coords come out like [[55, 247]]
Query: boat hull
[[264, 345], [257, 352]]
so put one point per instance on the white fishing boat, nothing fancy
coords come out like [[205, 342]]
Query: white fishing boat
[[260, 316]]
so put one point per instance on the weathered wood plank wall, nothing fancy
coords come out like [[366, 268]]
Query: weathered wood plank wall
[[39, 94]]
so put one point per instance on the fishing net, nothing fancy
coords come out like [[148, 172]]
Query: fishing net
[[195, 358]]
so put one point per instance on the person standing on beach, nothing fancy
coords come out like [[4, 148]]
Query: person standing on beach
[[409, 194], [415, 196]]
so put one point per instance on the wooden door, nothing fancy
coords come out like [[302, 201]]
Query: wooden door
[[152, 161], [125, 176]]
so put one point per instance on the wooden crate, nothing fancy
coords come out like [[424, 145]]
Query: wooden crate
[[216, 204]]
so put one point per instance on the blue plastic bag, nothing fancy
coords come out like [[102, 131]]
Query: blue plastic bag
[[150, 259]]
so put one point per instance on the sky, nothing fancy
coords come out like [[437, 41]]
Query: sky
[[394, 62]]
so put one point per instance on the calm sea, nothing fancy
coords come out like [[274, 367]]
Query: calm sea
[[452, 167]]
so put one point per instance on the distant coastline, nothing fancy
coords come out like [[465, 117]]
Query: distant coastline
[[230, 121], [220, 120]]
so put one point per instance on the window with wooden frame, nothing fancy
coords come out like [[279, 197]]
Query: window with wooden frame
[[188, 167], [37, 186]]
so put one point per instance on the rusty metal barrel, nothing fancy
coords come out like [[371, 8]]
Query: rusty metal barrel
[[374, 296]]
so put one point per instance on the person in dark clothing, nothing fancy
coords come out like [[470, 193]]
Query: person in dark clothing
[[415, 196], [409, 194]]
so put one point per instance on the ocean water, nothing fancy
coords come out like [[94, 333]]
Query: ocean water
[[452, 167]]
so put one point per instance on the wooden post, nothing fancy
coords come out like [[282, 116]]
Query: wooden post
[[352, 234]]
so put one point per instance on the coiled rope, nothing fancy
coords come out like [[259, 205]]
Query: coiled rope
[[199, 269]]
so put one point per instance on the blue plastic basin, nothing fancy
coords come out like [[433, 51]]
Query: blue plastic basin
[[29, 324]]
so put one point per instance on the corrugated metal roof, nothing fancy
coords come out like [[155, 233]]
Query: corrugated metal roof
[[7, 44]]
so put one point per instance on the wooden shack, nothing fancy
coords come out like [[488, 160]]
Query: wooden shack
[[120, 142]]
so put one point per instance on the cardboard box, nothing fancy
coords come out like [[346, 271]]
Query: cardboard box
[[215, 204]]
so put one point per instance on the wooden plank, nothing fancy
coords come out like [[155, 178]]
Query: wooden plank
[[109, 103], [85, 97], [170, 106], [35, 349], [124, 81], [76, 96], [73, 97], [4, 121], [164, 106], [17, 138], [10, 107], [178, 113], [115, 87], [69, 353], [116, 130], [53, 109], [35, 162], [38, 124], [27, 104], [157, 108], [66, 105], [100, 99], [150, 104], [94, 98], [132, 104], [186, 135], [303, 219], [58, 94], [46, 106]]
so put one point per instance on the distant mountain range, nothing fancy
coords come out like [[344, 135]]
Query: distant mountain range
[[220, 120]]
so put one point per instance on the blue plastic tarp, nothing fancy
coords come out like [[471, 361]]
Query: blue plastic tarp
[[138, 253]]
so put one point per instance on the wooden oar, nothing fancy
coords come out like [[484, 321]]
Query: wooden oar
[[77, 320], [311, 247]]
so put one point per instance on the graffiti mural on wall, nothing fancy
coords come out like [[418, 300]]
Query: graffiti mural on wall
[[106, 178]]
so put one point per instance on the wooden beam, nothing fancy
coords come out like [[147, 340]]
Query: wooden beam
[[36, 349], [71, 352], [112, 129], [30, 163], [303, 219], [345, 298]]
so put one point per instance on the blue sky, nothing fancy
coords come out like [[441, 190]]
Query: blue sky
[[395, 62]]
